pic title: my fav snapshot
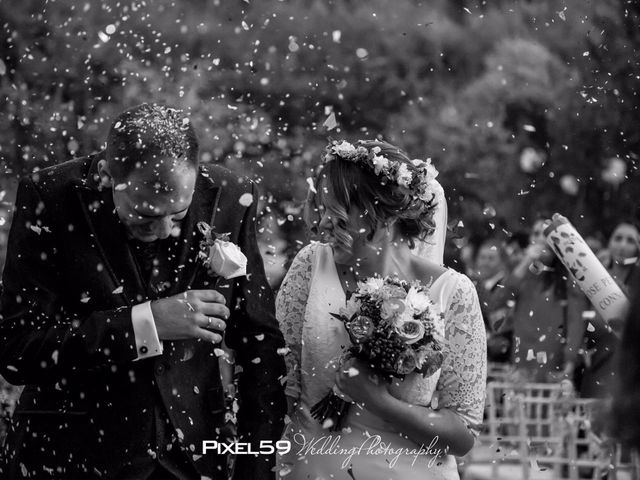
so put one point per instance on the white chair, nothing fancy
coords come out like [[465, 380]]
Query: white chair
[[502, 444], [554, 438]]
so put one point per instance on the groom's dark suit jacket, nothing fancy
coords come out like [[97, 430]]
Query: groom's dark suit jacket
[[69, 284]]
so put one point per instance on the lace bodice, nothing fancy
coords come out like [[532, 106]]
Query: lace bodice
[[302, 307]]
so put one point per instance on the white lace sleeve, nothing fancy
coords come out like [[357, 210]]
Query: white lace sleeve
[[290, 307], [462, 383]]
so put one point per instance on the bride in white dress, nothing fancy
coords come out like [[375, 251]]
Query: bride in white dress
[[374, 224]]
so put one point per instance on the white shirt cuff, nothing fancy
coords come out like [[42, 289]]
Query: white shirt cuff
[[144, 329]]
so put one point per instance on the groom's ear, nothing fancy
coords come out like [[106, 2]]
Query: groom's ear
[[106, 180]]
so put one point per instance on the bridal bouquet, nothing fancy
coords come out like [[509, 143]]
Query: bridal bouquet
[[391, 324]]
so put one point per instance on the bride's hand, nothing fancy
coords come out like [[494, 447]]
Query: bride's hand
[[360, 383]]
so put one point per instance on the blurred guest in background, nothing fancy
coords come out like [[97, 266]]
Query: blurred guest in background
[[595, 242], [515, 246], [625, 413], [547, 317], [602, 340], [468, 250], [491, 270], [621, 255]]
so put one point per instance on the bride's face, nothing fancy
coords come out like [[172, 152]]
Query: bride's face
[[336, 225]]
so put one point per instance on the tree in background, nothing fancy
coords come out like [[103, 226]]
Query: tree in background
[[523, 106]]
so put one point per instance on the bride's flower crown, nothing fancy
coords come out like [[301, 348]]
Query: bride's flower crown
[[420, 183]]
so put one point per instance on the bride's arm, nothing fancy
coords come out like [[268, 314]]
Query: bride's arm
[[290, 307], [461, 387]]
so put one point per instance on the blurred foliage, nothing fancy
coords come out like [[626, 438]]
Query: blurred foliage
[[469, 83]]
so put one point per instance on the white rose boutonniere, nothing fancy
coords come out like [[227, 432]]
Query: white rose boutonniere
[[219, 255]]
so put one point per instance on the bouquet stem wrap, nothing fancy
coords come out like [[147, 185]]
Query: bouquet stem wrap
[[592, 277], [332, 410]]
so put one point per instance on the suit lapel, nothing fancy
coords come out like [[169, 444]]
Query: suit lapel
[[110, 236], [179, 263]]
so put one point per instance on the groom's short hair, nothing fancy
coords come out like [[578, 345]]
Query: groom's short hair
[[148, 131]]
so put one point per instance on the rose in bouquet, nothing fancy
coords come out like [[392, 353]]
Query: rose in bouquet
[[392, 327]]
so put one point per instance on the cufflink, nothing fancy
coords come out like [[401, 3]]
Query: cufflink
[[144, 349]]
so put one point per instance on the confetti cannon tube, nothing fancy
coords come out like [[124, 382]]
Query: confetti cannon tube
[[591, 276]]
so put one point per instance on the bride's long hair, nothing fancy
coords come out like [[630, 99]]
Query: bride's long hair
[[340, 183]]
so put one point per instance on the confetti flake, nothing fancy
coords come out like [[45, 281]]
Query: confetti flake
[[352, 372], [330, 123], [541, 357], [328, 423], [362, 53], [246, 200], [312, 187]]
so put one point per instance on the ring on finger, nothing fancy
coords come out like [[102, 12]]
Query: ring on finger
[[209, 322]]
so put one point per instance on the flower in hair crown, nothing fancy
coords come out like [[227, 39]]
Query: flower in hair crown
[[419, 182]]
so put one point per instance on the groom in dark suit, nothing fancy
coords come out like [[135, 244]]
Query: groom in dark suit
[[113, 324]]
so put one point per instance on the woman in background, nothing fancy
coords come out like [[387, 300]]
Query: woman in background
[[625, 411], [547, 317], [602, 340]]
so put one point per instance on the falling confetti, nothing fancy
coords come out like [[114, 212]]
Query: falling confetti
[[562, 15], [265, 90], [311, 185], [330, 123], [246, 199]]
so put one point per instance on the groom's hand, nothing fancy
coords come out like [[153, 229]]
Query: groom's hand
[[191, 314]]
